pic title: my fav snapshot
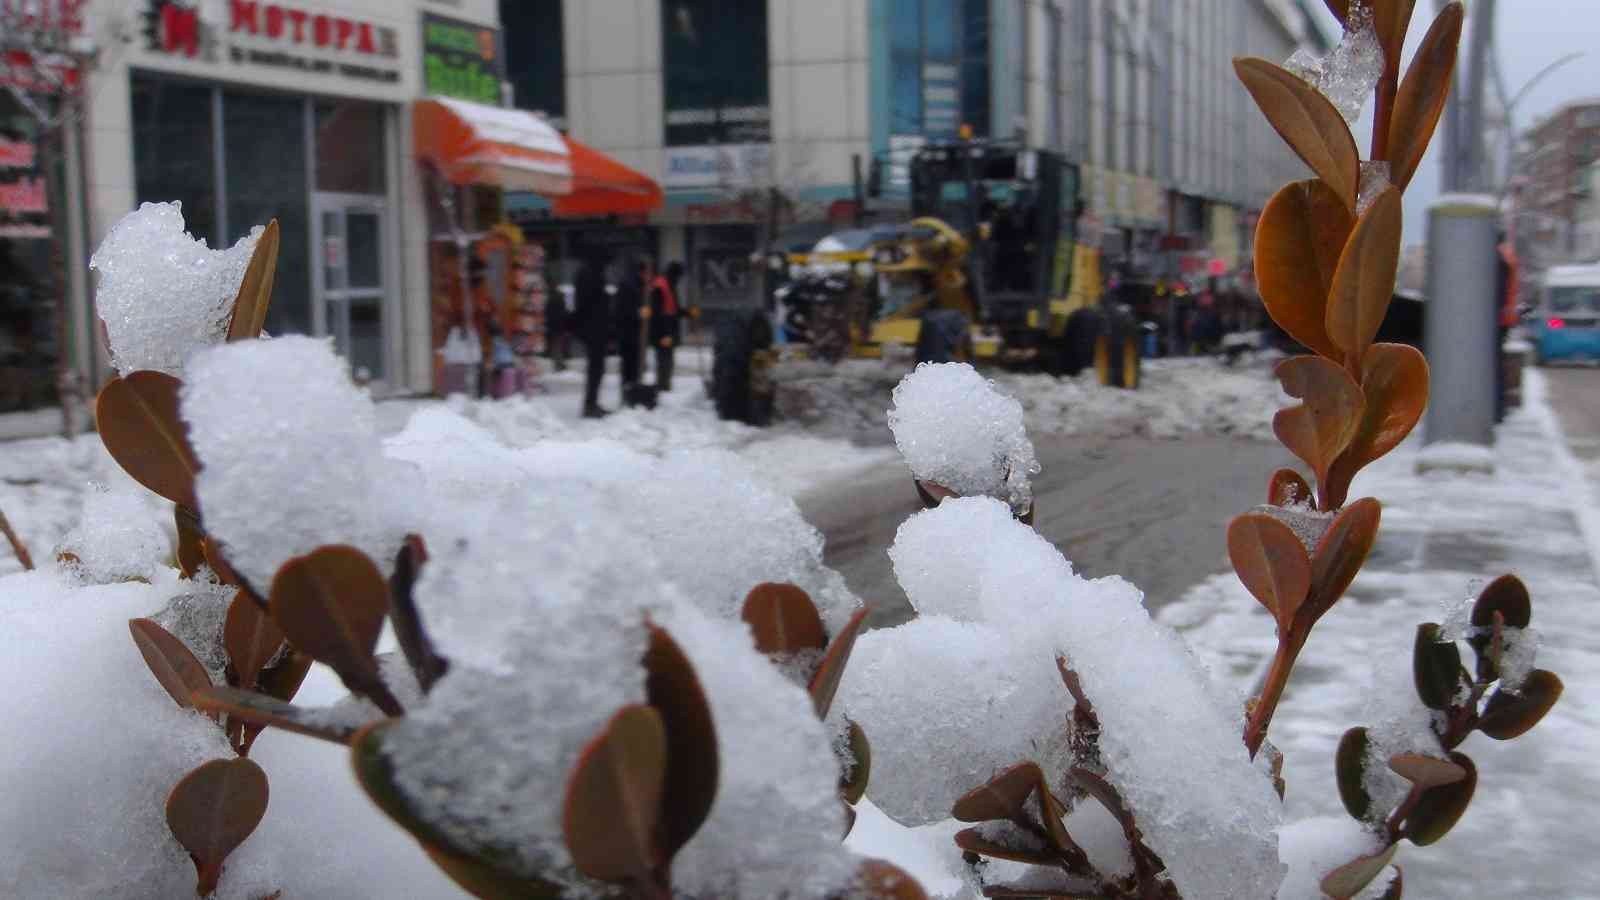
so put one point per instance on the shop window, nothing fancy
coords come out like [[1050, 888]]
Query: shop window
[[174, 152], [349, 147], [29, 328], [264, 144]]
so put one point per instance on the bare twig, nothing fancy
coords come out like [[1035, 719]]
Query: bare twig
[[15, 542]]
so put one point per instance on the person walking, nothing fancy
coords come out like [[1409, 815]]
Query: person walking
[[593, 327], [666, 321], [631, 311]]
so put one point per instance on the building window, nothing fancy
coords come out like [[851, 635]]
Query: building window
[[939, 67], [535, 64], [174, 153], [714, 71]]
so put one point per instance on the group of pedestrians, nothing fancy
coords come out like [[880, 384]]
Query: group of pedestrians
[[641, 310]]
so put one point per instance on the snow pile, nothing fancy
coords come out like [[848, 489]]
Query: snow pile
[[1174, 753], [115, 539], [956, 430], [1349, 73], [162, 294], [1456, 455], [289, 455]]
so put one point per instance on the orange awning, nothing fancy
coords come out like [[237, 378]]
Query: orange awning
[[470, 143], [602, 186]]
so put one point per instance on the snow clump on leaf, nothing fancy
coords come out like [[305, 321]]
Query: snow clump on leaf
[[956, 430], [163, 295], [115, 539], [289, 455]]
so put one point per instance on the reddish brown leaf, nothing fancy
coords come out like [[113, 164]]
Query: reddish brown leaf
[[1272, 564], [1350, 878], [137, 417], [853, 786], [1508, 715], [879, 880], [825, 681], [1310, 124], [613, 802], [783, 619], [250, 637], [1394, 384], [1289, 488], [1364, 282], [1426, 771], [1321, 426], [1508, 596], [331, 605], [409, 632], [1391, 19], [1339, 556], [674, 691], [213, 810], [173, 664], [255, 291], [191, 541], [1438, 809], [1436, 668], [1003, 797], [1350, 768], [973, 841], [262, 710], [1422, 95], [1301, 233]]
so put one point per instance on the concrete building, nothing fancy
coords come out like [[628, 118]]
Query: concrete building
[[1549, 191], [737, 107]]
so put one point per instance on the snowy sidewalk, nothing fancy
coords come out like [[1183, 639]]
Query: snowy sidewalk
[[1443, 536]]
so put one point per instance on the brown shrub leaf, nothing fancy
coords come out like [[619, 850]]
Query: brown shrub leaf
[[1349, 879], [1002, 797], [331, 605], [213, 810], [250, 637], [674, 690], [255, 291], [1272, 564], [825, 681], [1301, 233], [170, 660], [1422, 95], [1509, 715], [1322, 425], [783, 620], [613, 801], [1394, 385], [1305, 119], [1363, 284], [137, 417]]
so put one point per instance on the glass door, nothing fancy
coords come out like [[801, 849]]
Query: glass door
[[351, 230]]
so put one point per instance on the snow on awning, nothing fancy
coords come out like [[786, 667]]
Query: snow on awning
[[470, 143]]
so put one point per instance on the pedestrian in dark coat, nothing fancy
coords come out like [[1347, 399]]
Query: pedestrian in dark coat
[[666, 321], [631, 311], [593, 327]]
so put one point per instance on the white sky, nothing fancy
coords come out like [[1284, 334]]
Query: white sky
[[1529, 34]]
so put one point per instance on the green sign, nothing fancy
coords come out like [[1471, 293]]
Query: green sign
[[462, 60]]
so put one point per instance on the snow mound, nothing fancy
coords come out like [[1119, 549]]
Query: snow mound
[[162, 294], [116, 539], [289, 455], [955, 429], [1203, 806]]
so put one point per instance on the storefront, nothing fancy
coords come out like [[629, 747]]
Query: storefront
[[248, 110]]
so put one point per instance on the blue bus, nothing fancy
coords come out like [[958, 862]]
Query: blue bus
[[1566, 321]]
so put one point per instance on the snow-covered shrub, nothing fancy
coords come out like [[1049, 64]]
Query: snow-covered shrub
[[599, 690]]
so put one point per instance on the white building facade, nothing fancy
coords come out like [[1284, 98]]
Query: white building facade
[[727, 102], [247, 110]]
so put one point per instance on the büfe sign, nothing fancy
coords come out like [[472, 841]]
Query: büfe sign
[[461, 60]]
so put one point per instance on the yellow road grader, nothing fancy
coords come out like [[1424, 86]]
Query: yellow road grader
[[988, 270]]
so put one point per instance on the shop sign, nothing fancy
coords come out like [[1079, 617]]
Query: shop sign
[[24, 197], [278, 36], [65, 16], [732, 166], [16, 154], [462, 60]]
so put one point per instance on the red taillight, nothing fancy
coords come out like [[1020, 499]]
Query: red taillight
[[1555, 323]]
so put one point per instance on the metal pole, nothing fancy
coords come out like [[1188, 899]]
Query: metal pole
[[856, 192], [1460, 330]]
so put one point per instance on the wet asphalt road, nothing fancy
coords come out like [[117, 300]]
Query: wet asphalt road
[[1151, 510]]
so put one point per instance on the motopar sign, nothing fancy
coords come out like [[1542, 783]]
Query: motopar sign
[[263, 33]]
